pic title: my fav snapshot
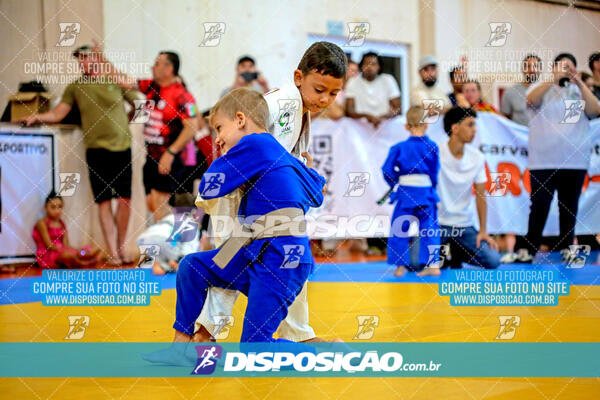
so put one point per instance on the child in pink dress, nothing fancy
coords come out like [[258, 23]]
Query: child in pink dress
[[51, 239]]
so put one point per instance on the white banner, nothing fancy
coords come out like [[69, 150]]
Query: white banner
[[27, 175], [349, 154]]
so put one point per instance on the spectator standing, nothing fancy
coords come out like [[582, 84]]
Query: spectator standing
[[372, 95], [246, 75], [513, 104], [458, 76], [428, 89], [336, 109], [375, 96], [559, 150], [472, 91], [107, 140], [351, 72], [594, 64], [588, 80], [168, 133]]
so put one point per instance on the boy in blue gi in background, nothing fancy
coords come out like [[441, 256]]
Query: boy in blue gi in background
[[414, 165], [269, 266]]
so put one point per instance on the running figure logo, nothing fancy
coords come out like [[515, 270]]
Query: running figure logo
[[293, 254], [68, 183], [185, 228], [431, 110], [142, 110], [222, 325], [508, 326], [357, 33], [68, 33], [578, 255], [357, 183], [212, 34], [438, 254], [366, 326], [573, 111], [287, 114], [207, 359], [498, 34], [148, 254], [213, 182], [77, 326], [500, 182]]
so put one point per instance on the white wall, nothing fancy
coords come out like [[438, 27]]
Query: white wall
[[461, 27], [30, 30], [274, 32]]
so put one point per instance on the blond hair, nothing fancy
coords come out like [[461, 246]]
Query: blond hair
[[249, 102], [414, 116]]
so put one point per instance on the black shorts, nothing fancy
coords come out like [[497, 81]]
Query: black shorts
[[190, 173], [169, 183], [110, 173]]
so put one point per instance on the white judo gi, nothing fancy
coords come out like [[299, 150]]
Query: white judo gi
[[285, 124]]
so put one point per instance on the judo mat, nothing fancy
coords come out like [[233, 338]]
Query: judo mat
[[409, 309]]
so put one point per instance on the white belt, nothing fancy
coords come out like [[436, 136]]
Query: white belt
[[420, 180]]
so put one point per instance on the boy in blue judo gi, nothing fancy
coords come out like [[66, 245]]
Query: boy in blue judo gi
[[268, 257], [414, 164], [314, 85]]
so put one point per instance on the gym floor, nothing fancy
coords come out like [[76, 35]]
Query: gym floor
[[341, 289]]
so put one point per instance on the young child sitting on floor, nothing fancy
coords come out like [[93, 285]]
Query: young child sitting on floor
[[52, 242], [165, 243]]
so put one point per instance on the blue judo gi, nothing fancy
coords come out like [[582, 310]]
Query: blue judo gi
[[269, 271], [413, 158]]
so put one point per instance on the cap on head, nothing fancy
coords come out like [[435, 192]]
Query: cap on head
[[246, 58], [84, 50], [426, 61]]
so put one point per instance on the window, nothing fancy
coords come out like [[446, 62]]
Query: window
[[394, 57]]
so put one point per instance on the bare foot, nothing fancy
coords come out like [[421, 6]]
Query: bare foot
[[173, 264], [125, 257], [180, 353], [400, 271], [202, 335], [156, 269], [114, 261], [84, 262], [433, 270], [102, 256]]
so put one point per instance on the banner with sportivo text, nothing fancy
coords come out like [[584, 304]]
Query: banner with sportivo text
[[27, 174], [349, 154]]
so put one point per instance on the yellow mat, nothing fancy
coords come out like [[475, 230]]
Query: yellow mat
[[411, 312]]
